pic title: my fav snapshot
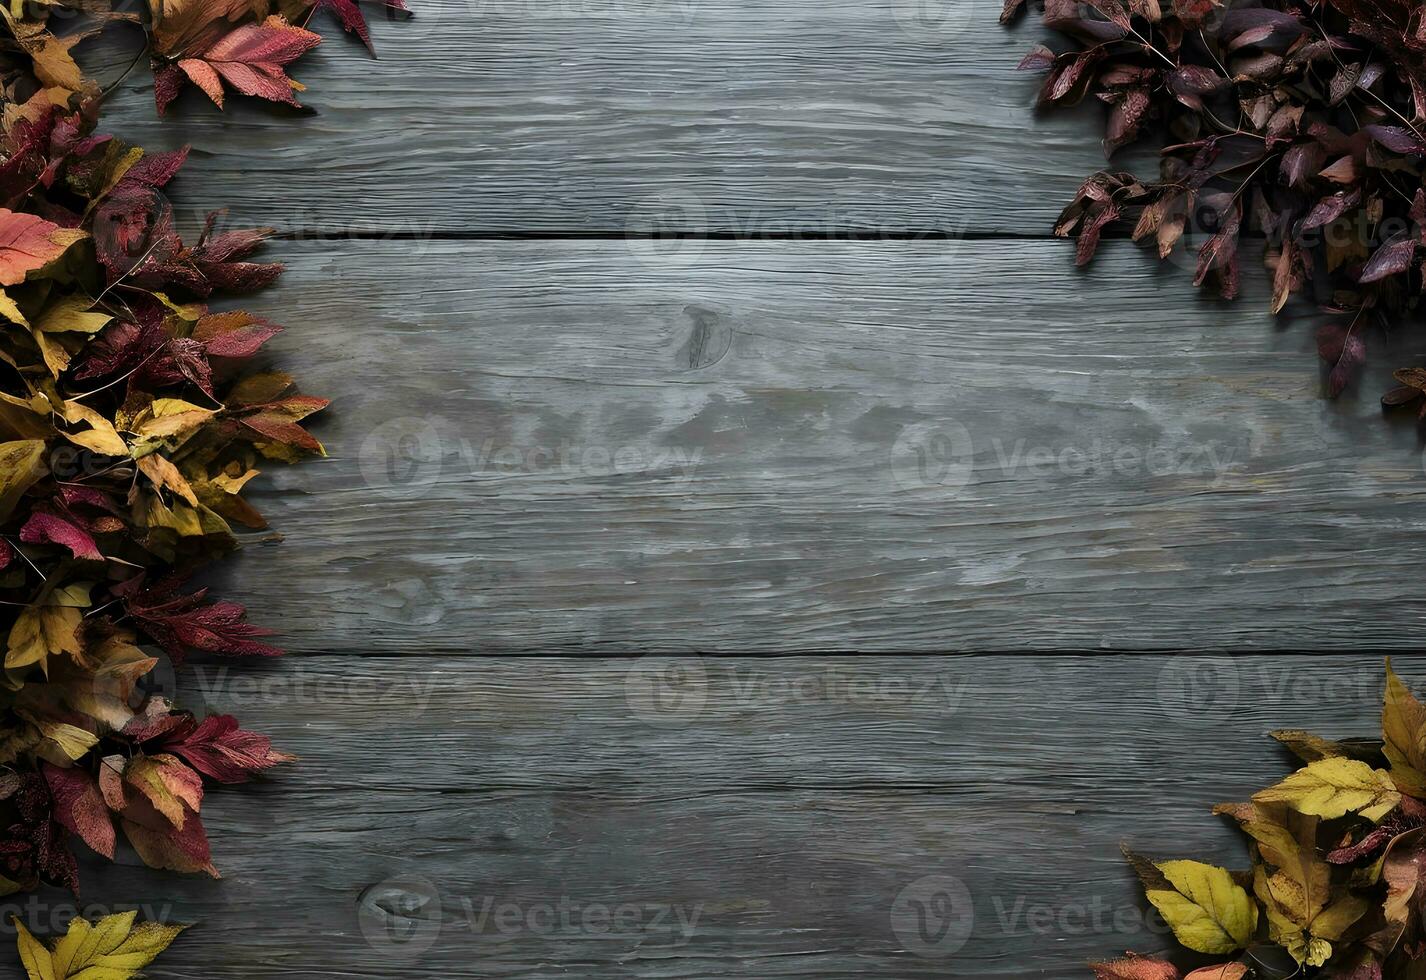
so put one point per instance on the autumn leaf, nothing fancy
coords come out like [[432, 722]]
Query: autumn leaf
[[41, 631], [114, 948], [251, 59], [1206, 909], [1134, 967], [221, 750], [43, 528], [29, 243], [80, 808], [21, 465], [348, 14], [1335, 787], [1403, 728], [1222, 971]]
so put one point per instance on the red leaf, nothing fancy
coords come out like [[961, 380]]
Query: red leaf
[[28, 243], [179, 623], [221, 750], [80, 808], [44, 528], [251, 60]]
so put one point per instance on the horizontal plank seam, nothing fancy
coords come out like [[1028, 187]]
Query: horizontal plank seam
[[510, 234], [594, 653]]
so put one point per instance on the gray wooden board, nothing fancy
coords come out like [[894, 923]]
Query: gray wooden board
[[745, 817], [614, 447], [745, 117], [547, 446]]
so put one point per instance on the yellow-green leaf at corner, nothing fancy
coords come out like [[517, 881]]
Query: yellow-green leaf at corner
[[1207, 910], [1403, 730], [114, 948], [1331, 788]]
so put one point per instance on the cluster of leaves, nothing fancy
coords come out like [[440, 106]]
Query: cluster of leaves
[[242, 45], [1303, 121], [114, 948], [1337, 886], [129, 426]]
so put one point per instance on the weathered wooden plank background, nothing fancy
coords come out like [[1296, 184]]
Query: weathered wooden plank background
[[558, 445]]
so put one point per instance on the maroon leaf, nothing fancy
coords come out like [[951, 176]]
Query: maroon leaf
[[44, 528], [1392, 257]]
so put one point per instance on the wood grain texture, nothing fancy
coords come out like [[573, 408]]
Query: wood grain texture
[[574, 446], [761, 816], [742, 117]]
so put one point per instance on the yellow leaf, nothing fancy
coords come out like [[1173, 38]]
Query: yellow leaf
[[101, 437], [70, 313], [10, 310], [55, 356], [114, 948], [166, 421], [33, 955], [64, 743], [75, 594], [21, 464], [1403, 728], [1207, 910], [40, 631], [1335, 787], [165, 474]]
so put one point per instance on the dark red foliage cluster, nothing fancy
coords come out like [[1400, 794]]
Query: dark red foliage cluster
[[1301, 123]]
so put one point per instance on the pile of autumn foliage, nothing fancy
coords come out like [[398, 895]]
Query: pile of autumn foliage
[[128, 429], [1302, 122], [1337, 884], [129, 426]]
